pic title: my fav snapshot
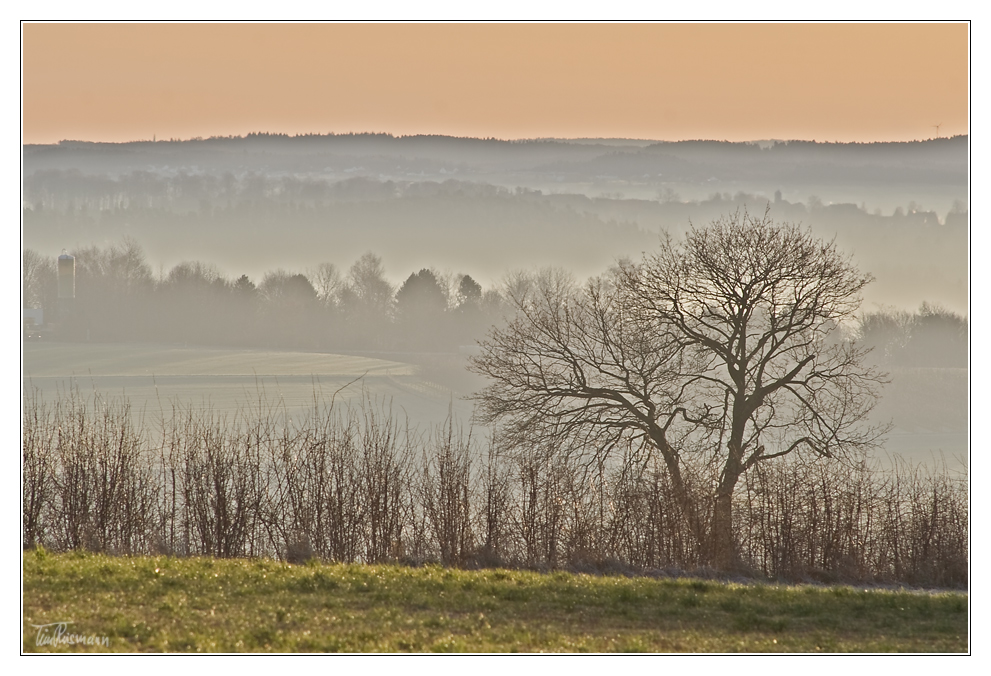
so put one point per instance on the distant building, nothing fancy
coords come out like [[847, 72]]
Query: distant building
[[33, 315], [33, 319]]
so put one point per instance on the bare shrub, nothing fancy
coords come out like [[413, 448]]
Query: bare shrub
[[650, 527], [37, 444], [342, 534], [492, 510], [855, 522], [538, 513], [314, 505], [384, 468], [352, 484], [445, 492], [929, 513], [102, 485], [221, 483]]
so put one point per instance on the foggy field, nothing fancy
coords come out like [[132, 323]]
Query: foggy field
[[928, 407], [152, 377]]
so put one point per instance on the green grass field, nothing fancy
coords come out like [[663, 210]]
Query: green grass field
[[161, 604]]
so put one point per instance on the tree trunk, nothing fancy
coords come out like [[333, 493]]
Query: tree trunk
[[724, 553]]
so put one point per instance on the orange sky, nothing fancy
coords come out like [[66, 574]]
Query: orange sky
[[859, 82]]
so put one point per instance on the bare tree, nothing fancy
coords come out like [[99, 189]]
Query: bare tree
[[729, 342], [327, 282], [366, 302], [574, 366], [760, 305], [38, 275], [367, 283]]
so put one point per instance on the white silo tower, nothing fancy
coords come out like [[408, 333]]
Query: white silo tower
[[66, 276], [66, 283]]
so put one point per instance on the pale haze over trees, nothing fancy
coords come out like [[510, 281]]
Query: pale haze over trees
[[486, 206]]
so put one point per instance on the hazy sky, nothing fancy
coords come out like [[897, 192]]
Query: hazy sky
[[846, 82]]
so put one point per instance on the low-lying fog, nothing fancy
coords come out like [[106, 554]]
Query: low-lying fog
[[308, 221]]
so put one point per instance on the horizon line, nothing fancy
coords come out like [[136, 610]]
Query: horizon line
[[537, 139]]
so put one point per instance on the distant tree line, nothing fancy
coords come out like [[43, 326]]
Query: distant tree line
[[932, 162], [81, 195], [931, 337], [118, 299], [76, 193]]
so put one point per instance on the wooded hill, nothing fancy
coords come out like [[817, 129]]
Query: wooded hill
[[940, 161]]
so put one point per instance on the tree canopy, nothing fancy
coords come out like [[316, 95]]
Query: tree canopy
[[421, 293]]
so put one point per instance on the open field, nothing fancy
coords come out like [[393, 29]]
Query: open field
[[929, 409], [228, 381], [928, 406], [160, 604]]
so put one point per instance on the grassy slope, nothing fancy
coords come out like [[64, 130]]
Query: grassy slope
[[167, 604]]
